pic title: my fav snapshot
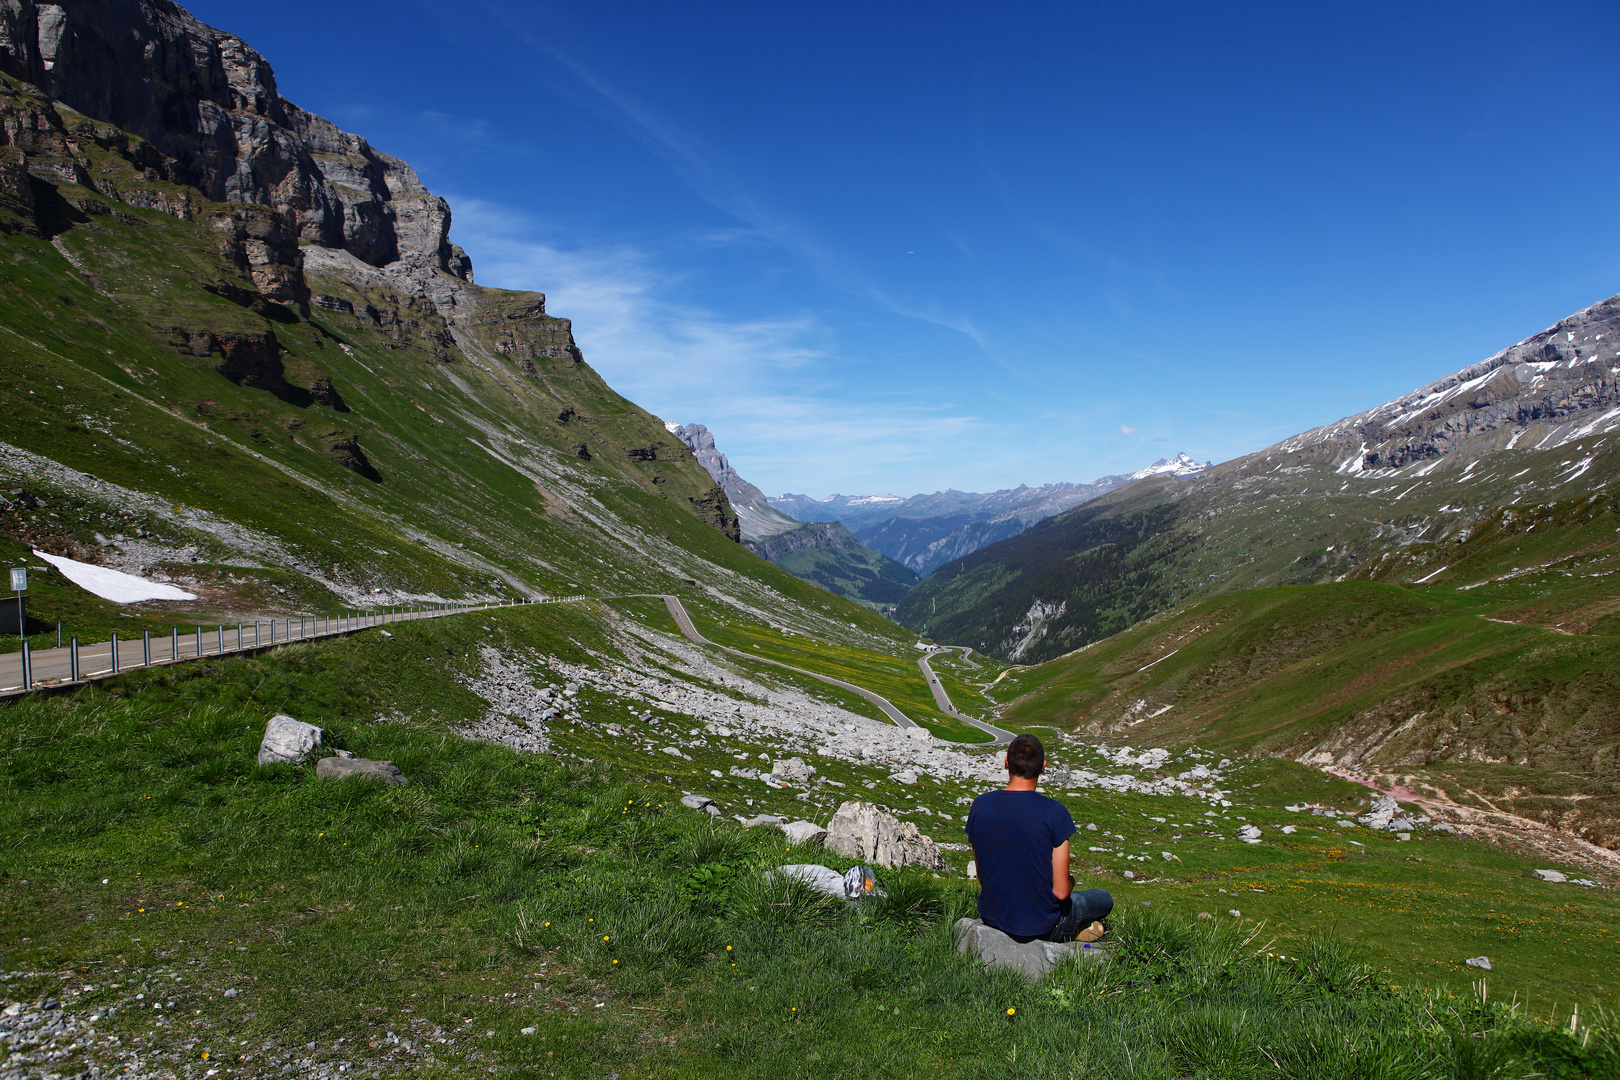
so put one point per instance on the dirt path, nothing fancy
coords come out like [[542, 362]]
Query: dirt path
[[1498, 825]]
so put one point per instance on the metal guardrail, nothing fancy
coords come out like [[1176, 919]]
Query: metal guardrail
[[76, 664]]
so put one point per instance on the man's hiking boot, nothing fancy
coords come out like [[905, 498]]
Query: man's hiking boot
[[1090, 933]]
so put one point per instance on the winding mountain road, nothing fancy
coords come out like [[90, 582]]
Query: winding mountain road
[[677, 611], [998, 736]]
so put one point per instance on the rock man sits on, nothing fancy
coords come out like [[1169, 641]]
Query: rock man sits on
[[1020, 844]]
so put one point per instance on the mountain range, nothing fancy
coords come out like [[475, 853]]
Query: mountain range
[[1389, 494], [925, 532]]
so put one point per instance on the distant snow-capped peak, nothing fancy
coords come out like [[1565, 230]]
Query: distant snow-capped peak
[[1180, 465]]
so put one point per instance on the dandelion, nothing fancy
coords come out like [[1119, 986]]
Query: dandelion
[[604, 937], [1012, 1012], [548, 924], [615, 961], [728, 948], [205, 1055]]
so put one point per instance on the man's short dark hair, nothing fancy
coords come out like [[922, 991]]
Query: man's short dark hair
[[1026, 757]]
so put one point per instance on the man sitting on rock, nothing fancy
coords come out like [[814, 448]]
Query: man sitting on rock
[[1020, 844]]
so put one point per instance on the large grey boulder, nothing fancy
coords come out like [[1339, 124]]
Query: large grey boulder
[[286, 741], [337, 768], [1032, 959], [861, 831], [792, 771], [696, 802], [804, 832]]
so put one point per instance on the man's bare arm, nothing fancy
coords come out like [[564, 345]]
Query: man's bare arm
[[1062, 883]]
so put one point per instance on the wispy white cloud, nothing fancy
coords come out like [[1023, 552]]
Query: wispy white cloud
[[775, 391]]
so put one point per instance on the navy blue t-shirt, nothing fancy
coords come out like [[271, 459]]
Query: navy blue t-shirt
[[1013, 834]]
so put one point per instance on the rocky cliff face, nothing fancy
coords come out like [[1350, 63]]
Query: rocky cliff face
[[207, 103]]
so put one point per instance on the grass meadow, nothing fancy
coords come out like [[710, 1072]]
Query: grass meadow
[[562, 914]]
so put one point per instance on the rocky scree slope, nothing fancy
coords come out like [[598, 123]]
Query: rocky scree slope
[[1385, 495], [821, 552], [241, 350]]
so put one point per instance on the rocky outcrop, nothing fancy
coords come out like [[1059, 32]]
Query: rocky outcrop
[[700, 440], [861, 831], [343, 447], [713, 508], [207, 102]]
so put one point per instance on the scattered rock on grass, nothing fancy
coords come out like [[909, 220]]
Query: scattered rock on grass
[[1549, 875], [696, 802], [286, 741], [1479, 962], [862, 831], [336, 768], [1249, 834], [1382, 813]]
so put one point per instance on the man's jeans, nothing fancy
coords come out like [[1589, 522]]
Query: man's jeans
[[1075, 913]]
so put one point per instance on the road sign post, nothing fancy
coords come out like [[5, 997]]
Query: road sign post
[[19, 585]]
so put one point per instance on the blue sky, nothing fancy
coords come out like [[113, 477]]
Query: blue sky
[[904, 247]]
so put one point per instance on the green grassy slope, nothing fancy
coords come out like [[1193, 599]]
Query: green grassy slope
[[538, 914], [1431, 685]]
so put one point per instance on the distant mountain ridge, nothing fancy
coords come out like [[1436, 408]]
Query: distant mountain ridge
[[925, 532], [821, 552]]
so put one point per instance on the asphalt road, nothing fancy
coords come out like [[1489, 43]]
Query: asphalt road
[[943, 700], [678, 612]]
